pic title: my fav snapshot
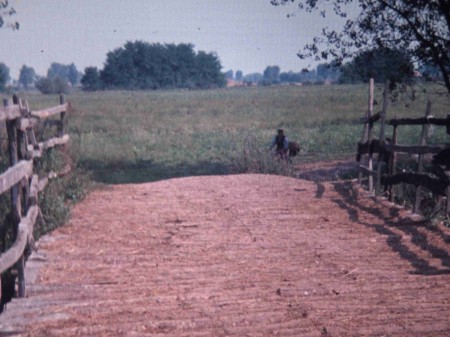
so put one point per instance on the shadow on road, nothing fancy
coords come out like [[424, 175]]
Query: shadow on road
[[147, 171], [419, 233]]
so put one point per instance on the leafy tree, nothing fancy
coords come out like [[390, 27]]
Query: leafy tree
[[271, 74], [327, 72], [181, 61], [68, 72], [290, 77], [208, 73], [229, 74], [420, 28], [140, 65], [4, 76], [58, 70], [27, 76], [55, 85], [239, 75], [254, 78], [305, 76], [430, 73], [73, 75], [381, 65], [6, 11], [91, 79]]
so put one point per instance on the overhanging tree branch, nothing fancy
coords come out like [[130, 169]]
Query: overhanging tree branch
[[420, 27]]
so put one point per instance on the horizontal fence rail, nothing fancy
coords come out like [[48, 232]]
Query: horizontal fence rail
[[20, 180], [15, 174]]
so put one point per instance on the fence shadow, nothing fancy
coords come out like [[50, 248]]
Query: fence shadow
[[348, 201]]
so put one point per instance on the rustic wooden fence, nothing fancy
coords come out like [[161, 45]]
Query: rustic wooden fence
[[387, 149], [20, 180]]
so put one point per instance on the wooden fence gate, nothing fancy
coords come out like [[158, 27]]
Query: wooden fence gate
[[20, 179], [387, 150]]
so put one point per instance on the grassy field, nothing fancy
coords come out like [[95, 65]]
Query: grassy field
[[137, 136]]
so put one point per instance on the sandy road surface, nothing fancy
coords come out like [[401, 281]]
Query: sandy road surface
[[245, 255]]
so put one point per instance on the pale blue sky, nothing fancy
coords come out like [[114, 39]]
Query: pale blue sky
[[247, 35]]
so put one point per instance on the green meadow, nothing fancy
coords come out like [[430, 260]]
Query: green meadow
[[139, 136]]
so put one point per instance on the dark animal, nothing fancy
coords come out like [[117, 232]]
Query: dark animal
[[293, 148], [442, 158]]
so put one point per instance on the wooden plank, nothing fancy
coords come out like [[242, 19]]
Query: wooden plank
[[35, 151], [13, 254], [32, 137], [370, 131], [52, 175], [373, 119], [20, 267], [364, 138], [13, 155], [45, 113], [27, 123], [393, 162], [62, 128], [373, 147], [420, 121], [423, 142], [413, 149], [25, 229], [42, 184], [10, 112], [56, 141], [13, 175], [34, 189], [382, 136], [424, 136]]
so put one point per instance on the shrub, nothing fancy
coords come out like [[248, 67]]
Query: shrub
[[91, 79], [52, 86], [253, 158], [61, 193]]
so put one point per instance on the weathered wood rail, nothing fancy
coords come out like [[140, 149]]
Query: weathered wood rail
[[20, 180], [387, 149]]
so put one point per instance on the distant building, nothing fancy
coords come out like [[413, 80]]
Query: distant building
[[239, 84]]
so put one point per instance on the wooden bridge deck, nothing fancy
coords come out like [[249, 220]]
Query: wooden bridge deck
[[246, 255]]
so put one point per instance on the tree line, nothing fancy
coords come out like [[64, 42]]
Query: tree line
[[380, 63], [58, 80], [136, 65], [139, 65]]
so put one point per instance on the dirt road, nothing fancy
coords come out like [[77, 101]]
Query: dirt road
[[244, 255]]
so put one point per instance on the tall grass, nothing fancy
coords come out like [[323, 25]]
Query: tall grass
[[136, 136]]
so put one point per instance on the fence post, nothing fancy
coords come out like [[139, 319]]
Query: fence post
[[393, 162], [367, 138], [22, 138], [31, 137], [62, 127], [365, 135], [16, 207], [448, 125], [382, 136], [423, 142], [13, 159], [447, 192]]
